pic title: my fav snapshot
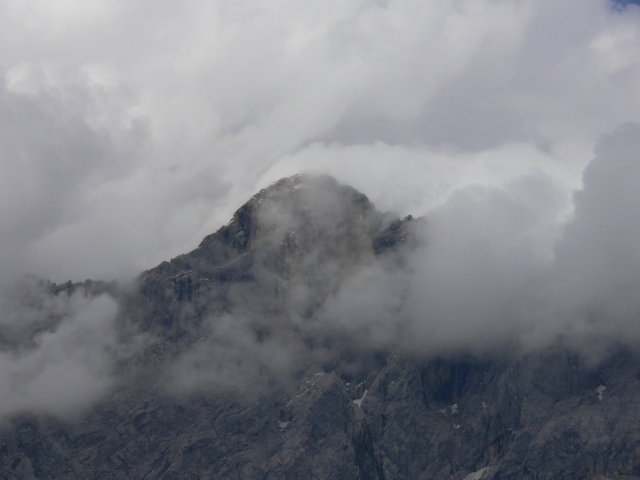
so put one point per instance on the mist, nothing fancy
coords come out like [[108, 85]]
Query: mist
[[128, 132], [57, 352], [507, 270], [126, 140], [491, 272]]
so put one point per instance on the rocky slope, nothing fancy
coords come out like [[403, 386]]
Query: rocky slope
[[239, 373]]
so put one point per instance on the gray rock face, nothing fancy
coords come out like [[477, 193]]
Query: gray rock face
[[334, 409]]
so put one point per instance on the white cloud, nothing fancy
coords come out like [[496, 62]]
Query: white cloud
[[130, 130], [62, 352], [150, 123]]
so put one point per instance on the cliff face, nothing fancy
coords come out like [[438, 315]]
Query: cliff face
[[240, 376]]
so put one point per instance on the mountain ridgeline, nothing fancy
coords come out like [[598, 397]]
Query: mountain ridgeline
[[282, 253], [255, 357]]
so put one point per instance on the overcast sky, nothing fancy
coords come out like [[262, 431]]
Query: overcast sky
[[129, 130]]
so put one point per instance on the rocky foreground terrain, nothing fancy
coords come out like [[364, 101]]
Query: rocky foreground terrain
[[242, 369]]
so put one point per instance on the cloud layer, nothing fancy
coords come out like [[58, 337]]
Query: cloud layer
[[130, 130], [499, 267], [57, 353], [497, 271]]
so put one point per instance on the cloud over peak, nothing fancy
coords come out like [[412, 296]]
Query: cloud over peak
[[130, 131]]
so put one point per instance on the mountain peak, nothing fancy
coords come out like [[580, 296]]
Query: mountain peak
[[290, 202], [301, 232], [248, 358]]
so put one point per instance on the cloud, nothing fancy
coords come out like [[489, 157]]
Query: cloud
[[54, 156], [235, 356], [129, 131], [500, 270], [496, 269], [484, 252], [57, 353], [596, 277]]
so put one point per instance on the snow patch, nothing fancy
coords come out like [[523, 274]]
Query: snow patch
[[451, 409], [359, 401], [476, 475], [600, 390]]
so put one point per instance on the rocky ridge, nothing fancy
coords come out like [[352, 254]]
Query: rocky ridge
[[344, 410]]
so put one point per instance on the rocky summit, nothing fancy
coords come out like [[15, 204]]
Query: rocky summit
[[233, 362]]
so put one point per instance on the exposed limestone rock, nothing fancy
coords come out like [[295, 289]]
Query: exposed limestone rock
[[344, 411]]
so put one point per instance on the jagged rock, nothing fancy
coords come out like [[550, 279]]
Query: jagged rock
[[342, 411]]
